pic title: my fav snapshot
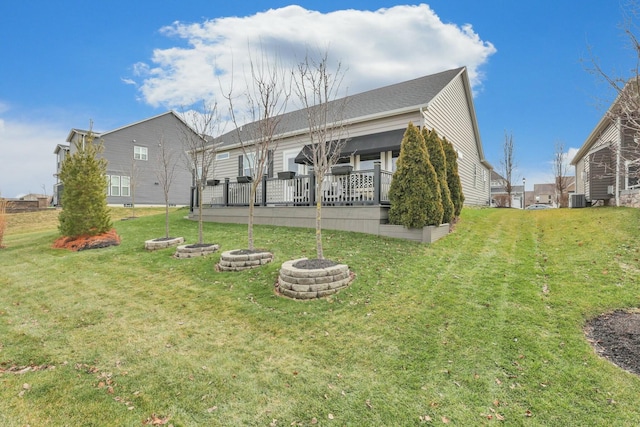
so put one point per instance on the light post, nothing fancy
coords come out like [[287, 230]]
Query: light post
[[524, 189]]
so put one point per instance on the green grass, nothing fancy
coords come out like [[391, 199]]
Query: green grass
[[483, 326]]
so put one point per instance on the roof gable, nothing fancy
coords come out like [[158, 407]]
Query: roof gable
[[387, 100]]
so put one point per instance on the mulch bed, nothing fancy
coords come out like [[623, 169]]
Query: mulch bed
[[616, 337], [84, 242], [315, 263], [248, 251]]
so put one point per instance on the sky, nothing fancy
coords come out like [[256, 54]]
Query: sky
[[112, 63]]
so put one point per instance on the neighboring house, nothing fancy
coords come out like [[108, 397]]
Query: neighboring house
[[548, 193], [499, 195], [132, 154], [61, 152], [375, 123], [608, 163]]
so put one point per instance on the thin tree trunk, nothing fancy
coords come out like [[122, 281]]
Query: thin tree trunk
[[319, 251], [200, 234], [252, 198], [166, 219]]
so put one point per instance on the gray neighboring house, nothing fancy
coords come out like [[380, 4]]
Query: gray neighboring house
[[132, 154], [376, 121]]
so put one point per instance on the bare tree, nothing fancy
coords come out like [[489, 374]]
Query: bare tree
[[200, 148], [266, 94], [508, 165], [165, 171], [560, 172], [318, 88], [625, 110], [133, 181]]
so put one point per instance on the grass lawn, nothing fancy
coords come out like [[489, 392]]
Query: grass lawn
[[482, 327]]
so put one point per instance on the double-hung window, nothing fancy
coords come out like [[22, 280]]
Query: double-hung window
[[140, 153], [118, 186]]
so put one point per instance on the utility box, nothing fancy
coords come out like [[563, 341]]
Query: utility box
[[577, 201]]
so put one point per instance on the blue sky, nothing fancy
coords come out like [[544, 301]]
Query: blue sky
[[66, 63]]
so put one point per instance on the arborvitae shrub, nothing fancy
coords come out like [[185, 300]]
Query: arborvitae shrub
[[84, 197], [439, 162], [453, 177], [414, 193]]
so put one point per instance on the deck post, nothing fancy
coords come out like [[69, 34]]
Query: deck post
[[225, 193], [377, 181], [264, 190], [312, 187]]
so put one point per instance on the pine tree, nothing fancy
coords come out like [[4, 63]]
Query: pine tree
[[453, 177], [414, 193], [84, 198], [439, 162]]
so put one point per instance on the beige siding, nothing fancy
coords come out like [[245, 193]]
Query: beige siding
[[450, 113], [229, 168], [450, 116]]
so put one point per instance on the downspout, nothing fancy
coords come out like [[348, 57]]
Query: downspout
[[620, 137]]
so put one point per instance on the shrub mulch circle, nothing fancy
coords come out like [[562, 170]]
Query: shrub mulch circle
[[84, 242], [616, 337]]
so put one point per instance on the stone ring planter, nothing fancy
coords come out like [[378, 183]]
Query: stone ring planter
[[162, 243], [195, 250], [238, 260], [301, 283]]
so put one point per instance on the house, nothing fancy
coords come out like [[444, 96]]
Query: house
[[499, 195], [548, 193], [133, 161], [608, 163], [376, 121], [61, 151]]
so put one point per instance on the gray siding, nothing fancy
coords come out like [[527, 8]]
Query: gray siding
[[601, 175], [119, 153]]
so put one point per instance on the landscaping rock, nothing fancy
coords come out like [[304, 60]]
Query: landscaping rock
[[324, 279], [243, 259]]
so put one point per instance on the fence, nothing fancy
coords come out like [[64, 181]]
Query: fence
[[347, 188]]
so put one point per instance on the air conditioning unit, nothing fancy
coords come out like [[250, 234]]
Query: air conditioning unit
[[577, 201]]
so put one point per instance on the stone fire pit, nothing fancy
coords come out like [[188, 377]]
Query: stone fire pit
[[308, 282]]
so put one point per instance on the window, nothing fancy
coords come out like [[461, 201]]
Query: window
[[633, 173], [118, 186], [248, 162], [366, 161], [125, 187], [475, 175], [289, 162], [222, 156], [115, 186], [140, 153]]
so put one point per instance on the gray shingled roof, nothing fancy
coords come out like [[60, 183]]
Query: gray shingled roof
[[412, 93]]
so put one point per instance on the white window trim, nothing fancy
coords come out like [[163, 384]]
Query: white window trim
[[120, 186], [140, 153], [222, 156]]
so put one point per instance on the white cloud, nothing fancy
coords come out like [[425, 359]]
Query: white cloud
[[571, 153], [27, 161], [376, 47]]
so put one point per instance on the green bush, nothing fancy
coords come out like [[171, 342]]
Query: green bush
[[84, 197], [415, 193], [453, 177], [439, 162]]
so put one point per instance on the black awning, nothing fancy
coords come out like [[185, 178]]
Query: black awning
[[365, 144]]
